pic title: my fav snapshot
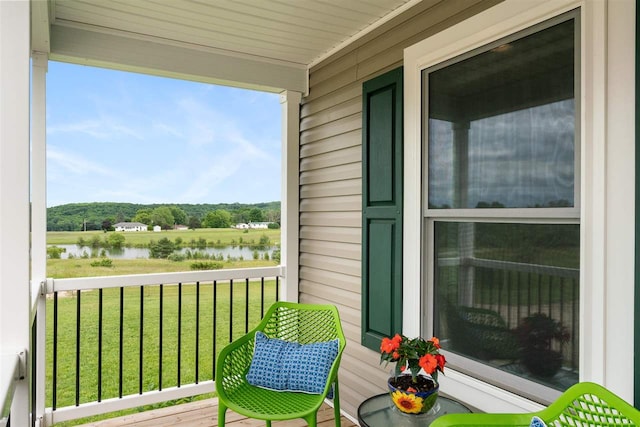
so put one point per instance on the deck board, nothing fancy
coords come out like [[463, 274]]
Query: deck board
[[204, 413]]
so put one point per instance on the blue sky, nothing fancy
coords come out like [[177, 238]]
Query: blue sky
[[114, 136]]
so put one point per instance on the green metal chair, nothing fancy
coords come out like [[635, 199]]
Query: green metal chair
[[301, 323], [583, 404]]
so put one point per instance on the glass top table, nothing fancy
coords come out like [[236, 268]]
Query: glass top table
[[379, 411]]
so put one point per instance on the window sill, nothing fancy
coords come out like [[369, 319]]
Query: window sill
[[483, 396]]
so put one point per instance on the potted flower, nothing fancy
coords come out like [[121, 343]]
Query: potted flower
[[411, 391], [536, 335]]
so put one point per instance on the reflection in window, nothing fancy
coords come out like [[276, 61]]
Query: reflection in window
[[502, 126], [507, 295]]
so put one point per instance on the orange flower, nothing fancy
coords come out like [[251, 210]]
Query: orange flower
[[435, 341], [428, 362], [390, 345], [396, 356]]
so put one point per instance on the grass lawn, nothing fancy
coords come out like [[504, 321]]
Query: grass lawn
[[80, 267], [211, 336], [150, 335]]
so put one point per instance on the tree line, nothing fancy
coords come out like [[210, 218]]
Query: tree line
[[104, 215]]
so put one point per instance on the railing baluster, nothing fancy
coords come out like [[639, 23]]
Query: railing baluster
[[100, 328], [179, 331], [277, 288], [215, 311], [230, 310], [55, 351], [78, 347], [141, 351], [246, 306], [121, 352], [261, 297], [197, 331], [160, 342]]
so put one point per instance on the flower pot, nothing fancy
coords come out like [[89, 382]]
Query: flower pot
[[542, 363], [418, 399]]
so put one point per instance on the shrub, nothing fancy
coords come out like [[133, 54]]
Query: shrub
[[276, 256], [256, 255], [201, 265], [176, 257], [161, 249], [115, 240], [264, 240], [104, 262], [266, 256], [54, 252], [273, 226]]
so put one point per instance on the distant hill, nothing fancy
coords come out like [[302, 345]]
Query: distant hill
[[73, 216]]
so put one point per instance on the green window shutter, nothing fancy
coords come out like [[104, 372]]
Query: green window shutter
[[381, 208]]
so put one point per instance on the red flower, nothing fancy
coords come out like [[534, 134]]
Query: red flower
[[441, 361], [390, 345], [435, 341], [428, 362], [396, 356]]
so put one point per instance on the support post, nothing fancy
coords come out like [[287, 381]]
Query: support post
[[38, 229], [290, 206], [14, 192]]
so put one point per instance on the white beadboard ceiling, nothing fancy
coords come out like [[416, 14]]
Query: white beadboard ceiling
[[277, 35]]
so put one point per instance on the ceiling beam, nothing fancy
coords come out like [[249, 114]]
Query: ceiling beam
[[188, 62], [40, 27]]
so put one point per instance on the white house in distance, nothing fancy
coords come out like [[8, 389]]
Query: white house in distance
[[130, 226], [253, 225]]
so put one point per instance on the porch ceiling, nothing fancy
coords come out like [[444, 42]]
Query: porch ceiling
[[263, 44]]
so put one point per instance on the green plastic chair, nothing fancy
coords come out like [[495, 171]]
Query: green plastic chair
[[583, 404], [301, 323]]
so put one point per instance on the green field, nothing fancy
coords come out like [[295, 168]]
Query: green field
[[132, 316], [66, 339]]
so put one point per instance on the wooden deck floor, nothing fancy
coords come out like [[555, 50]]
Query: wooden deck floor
[[204, 413]]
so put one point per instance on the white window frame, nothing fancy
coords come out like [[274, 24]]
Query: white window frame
[[607, 56]]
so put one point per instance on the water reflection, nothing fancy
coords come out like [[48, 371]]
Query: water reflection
[[143, 253]]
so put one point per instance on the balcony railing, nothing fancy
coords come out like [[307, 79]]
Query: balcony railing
[[120, 342]]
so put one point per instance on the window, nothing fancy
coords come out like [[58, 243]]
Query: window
[[501, 191]]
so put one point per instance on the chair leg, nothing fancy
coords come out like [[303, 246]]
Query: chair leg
[[312, 419], [268, 423], [222, 411], [336, 403]]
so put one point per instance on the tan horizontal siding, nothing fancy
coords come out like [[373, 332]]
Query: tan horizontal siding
[[333, 173], [332, 158], [331, 189], [331, 234], [341, 250], [331, 178], [337, 127], [342, 219], [338, 142], [330, 263], [347, 108], [331, 279], [348, 299], [341, 95], [339, 203]]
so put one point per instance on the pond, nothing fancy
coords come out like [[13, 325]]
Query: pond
[[135, 253]]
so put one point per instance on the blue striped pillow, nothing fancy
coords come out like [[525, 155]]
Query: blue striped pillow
[[288, 366], [537, 422]]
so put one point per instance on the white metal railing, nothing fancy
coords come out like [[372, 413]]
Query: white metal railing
[[12, 370], [77, 286]]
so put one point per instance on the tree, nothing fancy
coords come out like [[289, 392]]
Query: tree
[[219, 218], [107, 224], [162, 248], [163, 217], [255, 215], [194, 222], [179, 216], [143, 216], [115, 240]]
